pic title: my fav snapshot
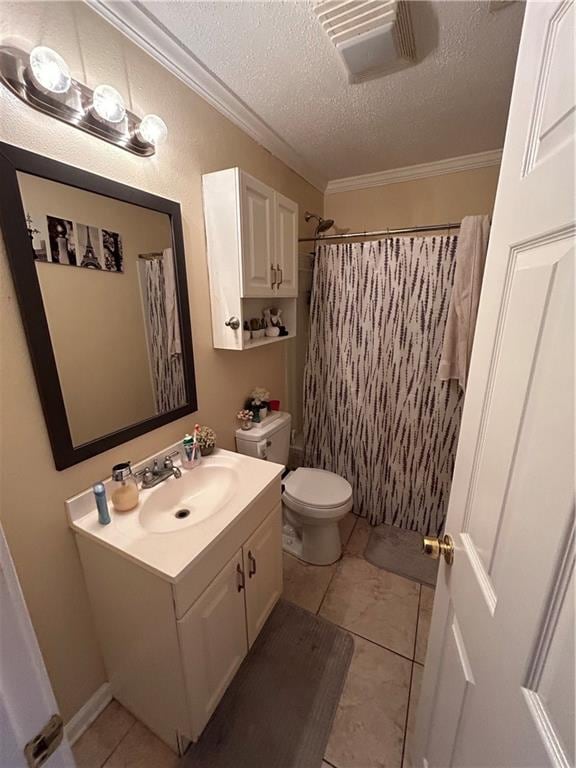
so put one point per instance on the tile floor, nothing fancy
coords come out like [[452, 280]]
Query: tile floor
[[388, 617]]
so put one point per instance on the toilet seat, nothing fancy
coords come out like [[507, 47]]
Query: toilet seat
[[317, 493]]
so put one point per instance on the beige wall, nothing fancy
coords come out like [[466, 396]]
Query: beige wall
[[32, 491], [96, 319], [435, 200]]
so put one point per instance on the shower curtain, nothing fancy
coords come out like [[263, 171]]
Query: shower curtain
[[375, 411], [166, 364]]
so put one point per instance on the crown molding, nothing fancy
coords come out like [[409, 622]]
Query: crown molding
[[133, 20], [412, 172]]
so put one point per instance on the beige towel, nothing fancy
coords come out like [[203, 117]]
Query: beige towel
[[461, 320]]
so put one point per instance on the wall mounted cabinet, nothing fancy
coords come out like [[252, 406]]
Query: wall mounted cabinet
[[252, 244]]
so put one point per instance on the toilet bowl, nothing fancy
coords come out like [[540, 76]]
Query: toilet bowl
[[313, 500]]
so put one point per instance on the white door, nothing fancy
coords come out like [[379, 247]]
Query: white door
[[214, 629], [257, 217], [286, 256], [26, 699], [498, 686], [263, 567]]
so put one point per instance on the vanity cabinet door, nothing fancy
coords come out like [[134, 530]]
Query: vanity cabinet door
[[213, 641], [286, 251], [257, 221], [263, 568]]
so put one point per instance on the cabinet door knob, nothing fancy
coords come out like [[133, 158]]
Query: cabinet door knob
[[233, 323], [274, 275], [252, 566], [240, 580]]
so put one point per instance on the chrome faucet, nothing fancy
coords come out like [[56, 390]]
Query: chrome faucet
[[157, 475]]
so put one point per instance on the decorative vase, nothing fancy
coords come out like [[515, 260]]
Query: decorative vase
[[258, 334], [246, 425], [272, 331], [246, 335], [263, 412], [206, 450]]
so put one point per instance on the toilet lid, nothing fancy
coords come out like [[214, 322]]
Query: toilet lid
[[317, 488]]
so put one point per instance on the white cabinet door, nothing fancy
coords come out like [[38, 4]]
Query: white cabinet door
[[257, 216], [213, 642], [286, 251], [263, 568]]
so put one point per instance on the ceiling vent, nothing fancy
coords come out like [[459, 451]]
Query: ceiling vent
[[372, 37]]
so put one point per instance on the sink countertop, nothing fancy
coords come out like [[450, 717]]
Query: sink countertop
[[170, 553]]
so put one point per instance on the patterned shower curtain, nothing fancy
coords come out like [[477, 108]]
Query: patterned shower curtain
[[167, 369], [375, 411]]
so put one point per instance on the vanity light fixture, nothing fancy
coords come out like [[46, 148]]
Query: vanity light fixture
[[152, 129], [42, 80], [108, 104], [49, 70]]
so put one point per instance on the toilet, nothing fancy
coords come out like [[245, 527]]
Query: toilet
[[313, 500]]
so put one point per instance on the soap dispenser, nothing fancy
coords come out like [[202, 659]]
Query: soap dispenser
[[124, 487]]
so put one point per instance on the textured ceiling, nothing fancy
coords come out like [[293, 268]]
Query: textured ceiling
[[275, 57]]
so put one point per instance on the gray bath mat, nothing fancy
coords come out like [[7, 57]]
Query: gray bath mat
[[400, 551], [278, 710]]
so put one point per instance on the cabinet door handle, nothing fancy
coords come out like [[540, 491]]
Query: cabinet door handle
[[252, 566], [274, 275], [240, 580], [281, 275]]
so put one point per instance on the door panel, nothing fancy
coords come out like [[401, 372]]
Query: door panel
[[495, 692], [263, 568], [286, 257], [214, 630], [456, 679], [257, 217]]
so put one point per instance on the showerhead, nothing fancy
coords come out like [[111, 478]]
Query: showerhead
[[323, 224]]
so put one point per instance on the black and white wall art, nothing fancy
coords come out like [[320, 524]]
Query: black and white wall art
[[62, 241], [113, 251], [89, 251]]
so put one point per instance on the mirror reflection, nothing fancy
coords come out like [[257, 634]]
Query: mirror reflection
[[107, 278]]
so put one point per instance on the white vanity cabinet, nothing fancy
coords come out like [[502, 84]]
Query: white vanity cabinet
[[252, 247], [224, 622], [172, 644]]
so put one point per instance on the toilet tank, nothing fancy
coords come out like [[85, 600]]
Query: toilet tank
[[270, 439]]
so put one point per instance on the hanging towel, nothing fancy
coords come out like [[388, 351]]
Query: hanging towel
[[461, 321], [171, 298]]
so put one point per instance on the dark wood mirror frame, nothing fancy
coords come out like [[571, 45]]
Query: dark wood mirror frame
[[16, 238]]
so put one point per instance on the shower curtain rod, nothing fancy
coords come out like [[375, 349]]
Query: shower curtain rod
[[386, 232]]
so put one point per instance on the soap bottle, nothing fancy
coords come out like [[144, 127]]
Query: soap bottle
[[124, 487]]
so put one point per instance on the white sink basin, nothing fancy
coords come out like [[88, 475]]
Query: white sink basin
[[214, 495], [178, 503]]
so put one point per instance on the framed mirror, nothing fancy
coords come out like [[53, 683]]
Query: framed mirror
[[100, 275]]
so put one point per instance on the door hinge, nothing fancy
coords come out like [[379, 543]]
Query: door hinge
[[39, 749]]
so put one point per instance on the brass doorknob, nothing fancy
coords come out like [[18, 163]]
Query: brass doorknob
[[437, 547]]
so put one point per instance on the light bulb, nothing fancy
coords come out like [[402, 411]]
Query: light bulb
[[49, 70], [108, 104], [152, 129]]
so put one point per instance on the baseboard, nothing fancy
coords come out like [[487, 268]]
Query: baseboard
[[86, 715]]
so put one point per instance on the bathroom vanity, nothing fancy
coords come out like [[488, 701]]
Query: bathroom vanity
[[178, 599]]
